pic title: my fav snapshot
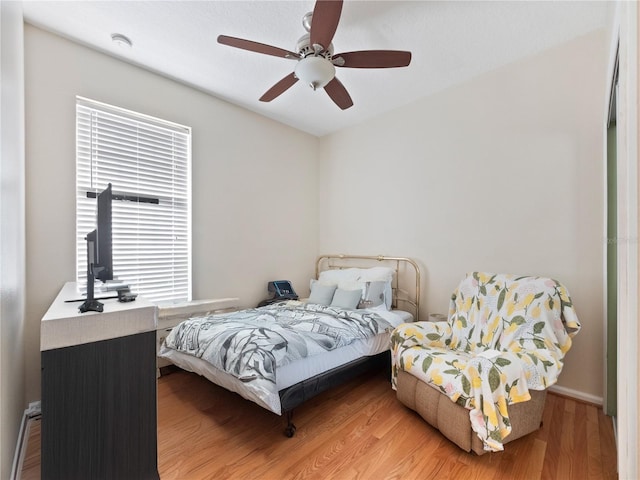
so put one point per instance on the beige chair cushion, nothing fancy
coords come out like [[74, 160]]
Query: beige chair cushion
[[453, 420]]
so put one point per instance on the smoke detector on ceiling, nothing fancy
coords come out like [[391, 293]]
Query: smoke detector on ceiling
[[121, 40]]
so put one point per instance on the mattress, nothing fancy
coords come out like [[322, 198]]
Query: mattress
[[296, 371]]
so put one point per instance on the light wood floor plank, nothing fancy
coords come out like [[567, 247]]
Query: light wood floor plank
[[593, 444], [31, 464], [580, 451], [608, 447], [552, 435], [565, 463], [532, 468]]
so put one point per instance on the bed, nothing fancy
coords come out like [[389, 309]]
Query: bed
[[282, 354]]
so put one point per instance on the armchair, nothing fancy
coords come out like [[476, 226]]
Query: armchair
[[486, 369]]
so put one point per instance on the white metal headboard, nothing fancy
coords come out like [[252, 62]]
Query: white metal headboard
[[406, 273]]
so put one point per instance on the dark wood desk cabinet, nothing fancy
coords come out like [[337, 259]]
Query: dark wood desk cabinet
[[99, 394]]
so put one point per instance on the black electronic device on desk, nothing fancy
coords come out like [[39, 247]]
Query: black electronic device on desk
[[125, 295], [279, 291]]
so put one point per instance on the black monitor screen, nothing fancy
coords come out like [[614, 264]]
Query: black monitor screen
[[92, 257], [104, 235]]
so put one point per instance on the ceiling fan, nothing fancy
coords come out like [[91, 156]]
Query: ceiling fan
[[315, 57]]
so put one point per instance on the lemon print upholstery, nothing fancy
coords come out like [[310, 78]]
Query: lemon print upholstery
[[505, 336]]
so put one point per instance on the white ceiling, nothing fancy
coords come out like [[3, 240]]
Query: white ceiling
[[451, 42]]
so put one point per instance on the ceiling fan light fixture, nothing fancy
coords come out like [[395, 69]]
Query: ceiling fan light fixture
[[315, 71]]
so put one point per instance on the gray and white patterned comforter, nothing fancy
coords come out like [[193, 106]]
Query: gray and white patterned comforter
[[251, 344]]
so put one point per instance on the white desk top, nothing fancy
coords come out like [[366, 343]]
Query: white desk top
[[64, 326]]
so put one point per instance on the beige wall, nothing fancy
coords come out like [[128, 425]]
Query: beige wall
[[254, 180], [502, 174]]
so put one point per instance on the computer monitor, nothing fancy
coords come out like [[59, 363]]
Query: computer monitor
[[99, 251], [104, 256]]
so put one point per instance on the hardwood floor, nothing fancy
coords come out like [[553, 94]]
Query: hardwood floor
[[360, 431], [31, 462], [356, 431]]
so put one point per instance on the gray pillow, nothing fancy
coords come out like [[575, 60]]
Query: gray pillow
[[321, 294], [346, 298], [374, 294]]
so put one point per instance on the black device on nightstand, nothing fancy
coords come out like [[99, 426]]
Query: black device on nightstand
[[279, 291]]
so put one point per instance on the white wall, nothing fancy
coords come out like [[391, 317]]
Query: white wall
[[501, 174], [254, 180], [12, 234]]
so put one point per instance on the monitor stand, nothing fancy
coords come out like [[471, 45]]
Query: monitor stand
[[90, 304]]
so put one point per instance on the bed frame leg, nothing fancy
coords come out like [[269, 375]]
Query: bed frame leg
[[290, 431]]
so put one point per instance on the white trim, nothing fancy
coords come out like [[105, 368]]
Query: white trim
[[628, 244], [576, 394]]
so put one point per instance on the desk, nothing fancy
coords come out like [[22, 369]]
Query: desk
[[99, 390]]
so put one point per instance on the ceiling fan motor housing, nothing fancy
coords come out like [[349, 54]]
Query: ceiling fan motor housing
[[304, 48]]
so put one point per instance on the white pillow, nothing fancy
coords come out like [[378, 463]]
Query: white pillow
[[336, 276], [346, 298], [321, 294], [376, 274]]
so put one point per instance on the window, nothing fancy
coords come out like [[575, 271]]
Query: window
[[148, 163]]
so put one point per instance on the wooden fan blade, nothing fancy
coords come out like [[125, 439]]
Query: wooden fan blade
[[279, 88], [324, 22], [338, 94], [373, 59], [256, 47]]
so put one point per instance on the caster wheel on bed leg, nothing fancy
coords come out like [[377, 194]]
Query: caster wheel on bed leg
[[290, 431]]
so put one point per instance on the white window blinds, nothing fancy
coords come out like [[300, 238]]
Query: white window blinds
[[147, 159]]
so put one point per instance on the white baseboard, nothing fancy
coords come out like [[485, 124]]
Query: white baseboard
[[569, 392]]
